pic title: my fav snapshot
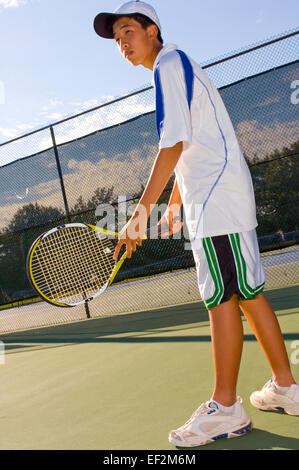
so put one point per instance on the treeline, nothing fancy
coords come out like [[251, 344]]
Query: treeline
[[276, 184]]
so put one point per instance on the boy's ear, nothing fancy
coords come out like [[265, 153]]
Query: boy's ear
[[153, 31]]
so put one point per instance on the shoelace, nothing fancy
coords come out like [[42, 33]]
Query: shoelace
[[269, 384], [202, 409]]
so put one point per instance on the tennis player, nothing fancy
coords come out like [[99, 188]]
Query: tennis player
[[197, 141]]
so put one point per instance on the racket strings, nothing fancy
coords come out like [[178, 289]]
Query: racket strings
[[70, 266], [81, 255], [78, 244], [72, 263], [94, 260], [66, 268]]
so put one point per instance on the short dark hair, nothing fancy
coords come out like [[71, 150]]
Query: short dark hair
[[143, 20]]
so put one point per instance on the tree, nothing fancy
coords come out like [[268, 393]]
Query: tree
[[31, 215], [25, 226], [84, 211], [276, 184]]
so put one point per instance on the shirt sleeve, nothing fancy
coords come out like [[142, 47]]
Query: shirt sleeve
[[174, 88]]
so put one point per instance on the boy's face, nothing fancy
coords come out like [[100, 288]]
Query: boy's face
[[137, 45]]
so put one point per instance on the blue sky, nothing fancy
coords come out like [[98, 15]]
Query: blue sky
[[54, 65]]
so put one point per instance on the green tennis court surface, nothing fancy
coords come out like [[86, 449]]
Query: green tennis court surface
[[123, 382]]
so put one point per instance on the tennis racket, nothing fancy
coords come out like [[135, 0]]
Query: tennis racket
[[72, 264]]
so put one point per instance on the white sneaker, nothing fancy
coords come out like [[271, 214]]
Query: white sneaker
[[270, 398], [209, 422]]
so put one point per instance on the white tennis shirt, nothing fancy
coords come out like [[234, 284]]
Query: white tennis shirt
[[212, 175]]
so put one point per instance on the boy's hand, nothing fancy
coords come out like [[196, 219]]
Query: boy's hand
[[172, 218], [131, 235]]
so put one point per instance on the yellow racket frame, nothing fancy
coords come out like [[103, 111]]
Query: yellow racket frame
[[117, 266]]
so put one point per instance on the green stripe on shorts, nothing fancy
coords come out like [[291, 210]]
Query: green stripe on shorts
[[247, 291], [215, 273]]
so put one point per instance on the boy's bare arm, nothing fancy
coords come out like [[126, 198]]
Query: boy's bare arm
[[175, 197], [162, 169], [172, 215]]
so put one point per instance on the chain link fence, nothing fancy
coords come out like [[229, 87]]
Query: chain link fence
[[62, 172]]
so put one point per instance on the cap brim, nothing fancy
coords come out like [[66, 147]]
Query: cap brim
[[102, 24]]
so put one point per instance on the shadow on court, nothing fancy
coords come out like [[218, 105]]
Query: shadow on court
[[138, 327]]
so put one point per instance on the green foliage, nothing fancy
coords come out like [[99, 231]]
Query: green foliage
[[31, 215], [276, 184], [84, 211]]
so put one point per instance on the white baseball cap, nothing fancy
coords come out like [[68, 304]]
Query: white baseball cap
[[102, 22]]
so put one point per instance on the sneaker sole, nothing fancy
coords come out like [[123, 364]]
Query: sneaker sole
[[227, 435], [288, 409], [285, 410]]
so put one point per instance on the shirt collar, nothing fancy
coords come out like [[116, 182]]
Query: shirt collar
[[165, 49]]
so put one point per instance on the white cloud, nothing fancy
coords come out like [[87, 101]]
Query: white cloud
[[8, 132], [267, 102], [20, 128], [55, 110], [108, 171], [54, 116], [12, 3], [86, 178], [99, 119], [90, 103], [53, 103], [258, 139]]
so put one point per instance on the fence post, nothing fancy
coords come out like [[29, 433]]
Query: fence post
[[64, 195], [60, 175]]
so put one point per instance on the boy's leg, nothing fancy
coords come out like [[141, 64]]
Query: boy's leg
[[265, 326], [227, 344], [212, 420]]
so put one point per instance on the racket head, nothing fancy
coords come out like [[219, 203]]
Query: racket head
[[71, 264]]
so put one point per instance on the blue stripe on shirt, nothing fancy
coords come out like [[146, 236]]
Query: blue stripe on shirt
[[189, 81], [189, 75], [159, 102]]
